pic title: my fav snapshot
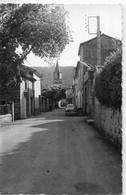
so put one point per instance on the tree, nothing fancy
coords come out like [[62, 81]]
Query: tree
[[36, 28], [55, 92]]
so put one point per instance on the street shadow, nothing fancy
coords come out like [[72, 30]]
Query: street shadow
[[28, 168], [44, 162], [89, 188]]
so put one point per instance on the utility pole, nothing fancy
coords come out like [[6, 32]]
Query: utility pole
[[98, 33], [98, 42], [94, 28]]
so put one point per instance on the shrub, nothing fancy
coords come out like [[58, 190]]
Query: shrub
[[108, 82], [55, 92]]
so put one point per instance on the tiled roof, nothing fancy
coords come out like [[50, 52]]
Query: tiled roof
[[27, 73]]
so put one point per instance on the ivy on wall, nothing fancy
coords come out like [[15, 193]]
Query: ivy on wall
[[108, 81]]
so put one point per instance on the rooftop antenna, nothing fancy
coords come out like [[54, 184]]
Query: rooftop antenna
[[88, 25]]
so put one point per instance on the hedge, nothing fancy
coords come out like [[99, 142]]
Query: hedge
[[108, 88]]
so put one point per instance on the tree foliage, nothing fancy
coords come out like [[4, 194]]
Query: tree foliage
[[55, 92], [108, 88], [36, 28]]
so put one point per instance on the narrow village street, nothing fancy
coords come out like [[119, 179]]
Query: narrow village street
[[52, 153]]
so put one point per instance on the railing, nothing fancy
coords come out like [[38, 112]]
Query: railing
[[5, 109]]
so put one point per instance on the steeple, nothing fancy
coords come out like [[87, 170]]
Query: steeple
[[57, 67], [57, 75]]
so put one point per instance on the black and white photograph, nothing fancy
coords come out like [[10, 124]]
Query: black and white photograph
[[61, 97]]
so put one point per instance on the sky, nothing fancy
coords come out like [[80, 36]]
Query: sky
[[110, 24]]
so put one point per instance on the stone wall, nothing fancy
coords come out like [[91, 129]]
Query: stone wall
[[109, 123], [5, 119], [12, 94]]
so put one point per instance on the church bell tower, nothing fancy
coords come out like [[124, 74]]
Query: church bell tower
[[57, 75]]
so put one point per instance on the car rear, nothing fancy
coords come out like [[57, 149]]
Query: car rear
[[70, 110]]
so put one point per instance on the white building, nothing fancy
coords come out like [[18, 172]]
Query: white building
[[37, 91]]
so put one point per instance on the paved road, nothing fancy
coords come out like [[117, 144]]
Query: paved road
[[54, 154]]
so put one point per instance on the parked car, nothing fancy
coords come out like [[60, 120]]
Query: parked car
[[71, 109]]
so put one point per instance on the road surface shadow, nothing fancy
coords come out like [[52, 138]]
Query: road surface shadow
[[49, 161], [88, 188]]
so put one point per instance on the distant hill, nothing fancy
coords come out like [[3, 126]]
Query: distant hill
[[67, 75]]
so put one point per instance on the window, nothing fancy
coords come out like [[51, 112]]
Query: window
[[26, 84], [3, 102]]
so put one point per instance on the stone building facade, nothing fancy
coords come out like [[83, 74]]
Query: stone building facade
[[88, 60], [22, 95], [88, 49], [78, 85]]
